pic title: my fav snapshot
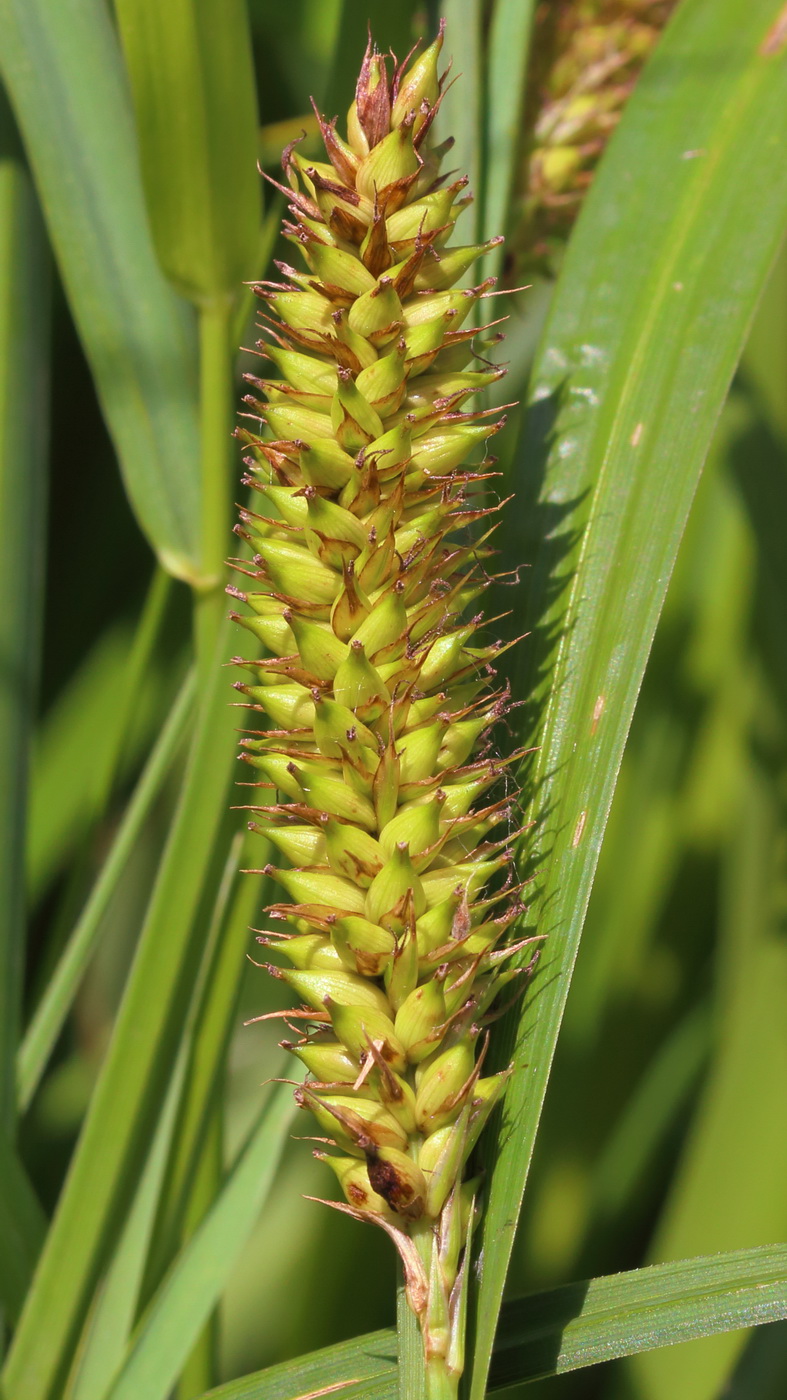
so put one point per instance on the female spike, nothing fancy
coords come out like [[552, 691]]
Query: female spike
[[377, 701]]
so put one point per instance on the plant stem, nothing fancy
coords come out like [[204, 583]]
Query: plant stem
[[441, 1384], [216, 403], [24, 332]]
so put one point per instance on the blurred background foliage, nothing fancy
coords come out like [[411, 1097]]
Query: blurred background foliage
[[664, 1133]]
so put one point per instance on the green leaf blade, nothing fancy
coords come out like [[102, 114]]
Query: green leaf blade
[[584, 1324], [56, 1000], [192, 79], [22, 1230], [632, 372], [509, 50], [366, 1366], [141, 1057], [24, 382], [61, 64], [564, 1329], [193, 1287]]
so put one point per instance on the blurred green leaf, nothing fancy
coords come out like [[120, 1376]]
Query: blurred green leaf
[[22, 1230], [192, 80], [24, 415], [274, 136], [634, 366], [109, 1326], [509, 47], [61, 64], [243, 323], [766, 353], [237, 903], [191, 1290], [138, 1065], [393, 27], [73, 750], [57, 998], [729, 1187], [460, 114], [651, 1111]]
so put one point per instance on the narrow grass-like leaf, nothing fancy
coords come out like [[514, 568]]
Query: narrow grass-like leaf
[[509, 47], [192, 80], [632, 373], [193, 1287], [237, 903], [61, 64], [58, 996], [583, 1324], [651, 1111], [460, 112], [24, 344], [580, 1324], [22, 1230], [138, 1065], [141, 661], [109, 1327], [243, 328], [362, 1369], [410, 1377], [740, 1121], [762, 1370], [392, 27], [78, 737]]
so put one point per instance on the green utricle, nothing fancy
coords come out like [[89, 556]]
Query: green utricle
[[376, 705]]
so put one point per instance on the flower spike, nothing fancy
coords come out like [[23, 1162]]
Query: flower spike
[[393, 814]]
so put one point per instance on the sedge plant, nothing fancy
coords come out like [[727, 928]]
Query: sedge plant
[[377, 776], [116, 1296]]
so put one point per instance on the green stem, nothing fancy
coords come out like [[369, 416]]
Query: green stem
[[24, 310], [441, 1384], [216, 406]]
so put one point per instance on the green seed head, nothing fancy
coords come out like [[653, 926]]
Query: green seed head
[[586, 58], [379, 691]]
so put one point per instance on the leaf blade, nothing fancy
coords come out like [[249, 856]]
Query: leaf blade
[[22, 1230], [623, 1314], [564, 1329], [639, 358], [62, 69], [192, 1288], [192, 79], [24, 404], [141, 1056], [509, 49], [50, 1014]]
